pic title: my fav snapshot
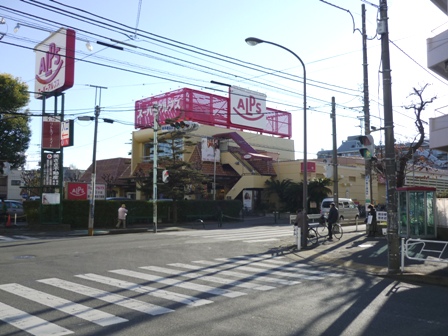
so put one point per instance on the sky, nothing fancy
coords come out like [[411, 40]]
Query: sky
[[174, 44]]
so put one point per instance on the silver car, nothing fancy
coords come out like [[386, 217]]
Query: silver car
[[13, 208]]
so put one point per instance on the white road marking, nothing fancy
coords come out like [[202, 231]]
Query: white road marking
[[195, 275], [222, 270], [191, 301], [179, 283], [66, 306], [99, 294], [29, 323]]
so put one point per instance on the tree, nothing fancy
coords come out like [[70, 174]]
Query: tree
[[405, 153], [15, 132], [318, 190], [31, 182], [184, 178]]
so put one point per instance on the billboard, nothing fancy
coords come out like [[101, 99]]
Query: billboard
[[210, 149], [81, 191], [67, 133], [247, 108], [51, 165], [51, 132], [55, 63], [209, 109]]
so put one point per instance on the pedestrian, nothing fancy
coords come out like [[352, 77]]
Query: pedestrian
[[122, 213], [333, 217], [371, 220]]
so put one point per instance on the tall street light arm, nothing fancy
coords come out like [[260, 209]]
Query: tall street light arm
[[253, 41]]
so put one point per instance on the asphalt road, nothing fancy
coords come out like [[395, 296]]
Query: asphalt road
[[201, 282]]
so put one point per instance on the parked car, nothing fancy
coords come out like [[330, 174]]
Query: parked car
[[348, 210], [12, 208]]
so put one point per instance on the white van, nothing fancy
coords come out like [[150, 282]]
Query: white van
[[348, 210]]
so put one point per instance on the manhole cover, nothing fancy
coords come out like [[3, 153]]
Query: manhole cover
[[25, 257]]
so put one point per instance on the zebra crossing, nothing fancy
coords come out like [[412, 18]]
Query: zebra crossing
[[165, 289], [254, 234], [7, 239]]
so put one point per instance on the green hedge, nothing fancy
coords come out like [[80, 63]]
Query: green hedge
[[76, 213]]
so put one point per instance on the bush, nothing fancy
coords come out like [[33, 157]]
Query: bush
[[76, 213]]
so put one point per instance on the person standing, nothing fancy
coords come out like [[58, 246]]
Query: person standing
[[333, 217], [122, 213], [372, 221]]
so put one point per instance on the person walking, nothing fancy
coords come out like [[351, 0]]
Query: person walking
[[371, 221], [122, 213], [333, 217]]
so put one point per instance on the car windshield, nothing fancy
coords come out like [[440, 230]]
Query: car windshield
[[326, 204]]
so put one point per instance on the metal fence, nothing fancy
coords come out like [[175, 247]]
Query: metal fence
[[423, 250]]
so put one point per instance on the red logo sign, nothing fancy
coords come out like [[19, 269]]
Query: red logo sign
[[55, 62], [249, 109], [76, 191]]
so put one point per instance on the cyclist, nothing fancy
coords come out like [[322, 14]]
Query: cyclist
[[333, 217]]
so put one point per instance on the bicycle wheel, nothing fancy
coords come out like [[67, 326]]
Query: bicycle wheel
[[322, 230], [312, 237], [337, 231]]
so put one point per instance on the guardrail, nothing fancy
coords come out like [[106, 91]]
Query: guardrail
[[417, 247]]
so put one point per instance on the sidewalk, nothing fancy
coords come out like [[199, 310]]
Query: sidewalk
[[357, 252]]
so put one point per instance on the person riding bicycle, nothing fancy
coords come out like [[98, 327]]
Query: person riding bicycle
[[333, 217]]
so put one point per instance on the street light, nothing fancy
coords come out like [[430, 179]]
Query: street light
[[252, 41]]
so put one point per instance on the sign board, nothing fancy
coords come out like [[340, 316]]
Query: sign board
[[51, 198], [311, 167], [100, 191], [210, 150], [367, 191], [67, 133], [247, 107], [55, 63], [51, 132], [51, 162], [247, 199], [81, 191]]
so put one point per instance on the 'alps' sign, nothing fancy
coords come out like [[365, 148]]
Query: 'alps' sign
[[247, 107], [55, 63]]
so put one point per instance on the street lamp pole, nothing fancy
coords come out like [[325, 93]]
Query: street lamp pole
[[252, 41]]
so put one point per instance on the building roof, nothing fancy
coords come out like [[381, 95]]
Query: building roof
[[109, 171]]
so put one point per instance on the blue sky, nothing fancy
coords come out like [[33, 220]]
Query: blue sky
[[320, 34]]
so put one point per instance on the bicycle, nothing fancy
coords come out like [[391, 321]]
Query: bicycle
[[312, 237], [322, 229]]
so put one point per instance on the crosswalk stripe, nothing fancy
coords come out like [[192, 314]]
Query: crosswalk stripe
[[179, 283], [222, 269], [237, 235], [24, 237], [288, 267], [191, 301], [6, 239], [194, 275], [270, 271], [15, 238], [66, 306], [31, 324], [99, 294], [259, 240]]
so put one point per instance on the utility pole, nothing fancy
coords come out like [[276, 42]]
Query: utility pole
[[391, 179], [368, 163], [155, 110], [335, 154], [93, 177]]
